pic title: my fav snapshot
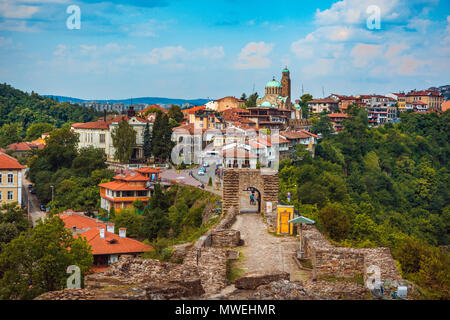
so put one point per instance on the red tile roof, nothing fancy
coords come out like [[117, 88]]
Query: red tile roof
[[102, 125], [193, 110], [8, 162], [90, 230], [148, 170], [133, 176], [121, 186]]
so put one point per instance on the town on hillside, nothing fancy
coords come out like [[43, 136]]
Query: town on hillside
[[217, 158]]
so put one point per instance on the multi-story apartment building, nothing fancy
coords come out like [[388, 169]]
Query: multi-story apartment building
[[11, 173], [433, 99], [321, 105], [97, 134], [378, 108], [336, 120]]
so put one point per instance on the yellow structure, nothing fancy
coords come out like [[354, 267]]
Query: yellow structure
[[284, 214], [11, 172]]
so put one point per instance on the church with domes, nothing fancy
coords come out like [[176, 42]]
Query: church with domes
[[277, 94]]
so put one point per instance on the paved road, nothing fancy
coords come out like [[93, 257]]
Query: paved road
[[34, 210], [264, 252]]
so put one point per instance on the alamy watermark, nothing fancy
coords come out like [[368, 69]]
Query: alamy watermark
[[74, 280], [374, 19], [74, 20]]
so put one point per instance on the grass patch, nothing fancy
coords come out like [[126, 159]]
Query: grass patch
[[233, 271], [306, 263]]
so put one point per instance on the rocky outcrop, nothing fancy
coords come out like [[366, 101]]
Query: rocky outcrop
[[251, 281]]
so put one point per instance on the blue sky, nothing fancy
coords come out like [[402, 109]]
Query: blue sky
[[215, 48]]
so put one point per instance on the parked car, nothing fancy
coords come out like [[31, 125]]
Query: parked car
[[43, 208], [30, 186], [33, 191], [201, 172], [205, 164]]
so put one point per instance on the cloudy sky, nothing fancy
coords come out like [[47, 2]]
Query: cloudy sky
[[215, 48]]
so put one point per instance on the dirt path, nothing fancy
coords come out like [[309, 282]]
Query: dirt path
[[264, 252]]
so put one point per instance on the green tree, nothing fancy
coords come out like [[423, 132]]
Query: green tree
[[323, 126], [156, 223], [10, 133], [251, 101], [335, 220], [175, 113], [36, 130], [37, 260], [304, 100], [147, 142], [124, 140]]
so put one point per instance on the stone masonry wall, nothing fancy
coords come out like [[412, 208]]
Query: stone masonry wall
[[342, 262]]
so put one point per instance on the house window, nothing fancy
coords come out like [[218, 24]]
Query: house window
[[0, 195], [1, 178], [102, 138], [10, 178], [10, 195]]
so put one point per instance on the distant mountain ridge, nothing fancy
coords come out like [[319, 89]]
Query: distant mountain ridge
[[146, 100]]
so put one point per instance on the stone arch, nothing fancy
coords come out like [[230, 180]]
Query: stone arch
[[236, 180]]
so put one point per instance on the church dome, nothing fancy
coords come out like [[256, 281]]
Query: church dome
[[286, 70], [266, 104], [273, 84]]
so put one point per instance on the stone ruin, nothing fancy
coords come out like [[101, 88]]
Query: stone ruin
[[202, 275]]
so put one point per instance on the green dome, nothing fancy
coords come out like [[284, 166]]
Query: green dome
[[266, 104], [285, 70], [273, 83]]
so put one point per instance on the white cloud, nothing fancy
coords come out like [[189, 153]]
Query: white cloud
[[12, 10], [363, 53], [17, 26], [419, 24], [254, 56]]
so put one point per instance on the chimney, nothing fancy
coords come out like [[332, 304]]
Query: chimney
[[110, 227], [102, 233], [122, 232]]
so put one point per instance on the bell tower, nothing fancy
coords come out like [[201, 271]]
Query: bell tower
[[286, 86]]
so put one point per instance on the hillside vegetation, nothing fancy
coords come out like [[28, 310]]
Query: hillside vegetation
[[20, 110], [386, 186]]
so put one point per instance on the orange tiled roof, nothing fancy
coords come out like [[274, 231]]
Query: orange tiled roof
[[8, 162], [103, 125], [133, 176], [111, 244], [121, 186], [446, 106], [148, 170], [295, 134], [193, 110]]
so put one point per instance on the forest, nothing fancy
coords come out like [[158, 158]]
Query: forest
[[20, 110], [385, 186]]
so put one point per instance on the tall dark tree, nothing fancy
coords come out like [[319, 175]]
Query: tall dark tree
[[147, 142], [175, 113], [124, 140], [304, 99], [251, 101]]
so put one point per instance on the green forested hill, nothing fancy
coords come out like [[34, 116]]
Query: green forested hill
[[386, 186], [19, 110]]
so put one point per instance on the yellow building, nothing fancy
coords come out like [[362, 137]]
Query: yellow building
[[284, 214], [11, 172], [401, 101], [433, 99]]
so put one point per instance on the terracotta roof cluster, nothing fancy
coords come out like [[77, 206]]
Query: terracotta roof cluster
[[25, 146], [193, 110], [121, 186], [89, 228], [424, 93], [290, 135], [9, 163], [154, 106], [133, 176]]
